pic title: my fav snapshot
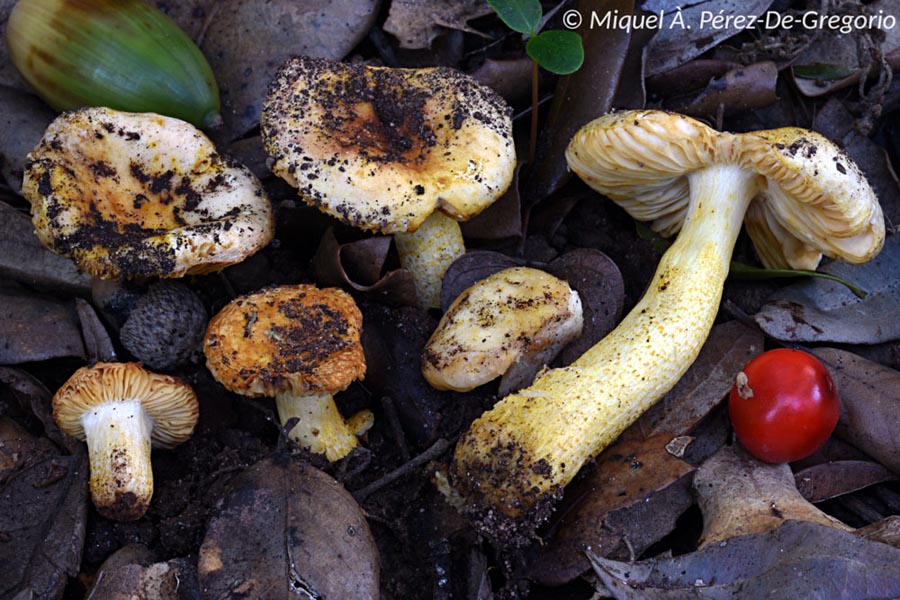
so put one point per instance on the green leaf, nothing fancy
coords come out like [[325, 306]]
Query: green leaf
[[823, 71], [557, 51], [519, 15], [742, 271]]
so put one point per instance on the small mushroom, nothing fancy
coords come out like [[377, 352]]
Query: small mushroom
[[399, 151], [511, 323], [512, 464], [120, 410], [166, 325], [140, 194], [300, 344]]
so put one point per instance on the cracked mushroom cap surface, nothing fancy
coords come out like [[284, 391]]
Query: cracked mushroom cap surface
[[140, 194], [298, 339], [811, 197], [515, 319], [382, 148], [169, 402]]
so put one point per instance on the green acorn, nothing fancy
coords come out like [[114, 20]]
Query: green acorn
[[121, 54]]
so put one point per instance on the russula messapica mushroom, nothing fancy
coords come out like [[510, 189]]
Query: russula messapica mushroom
[[512, 464], [140, 194], [511, 323], [407, 152], [301, 345], [120, 410]]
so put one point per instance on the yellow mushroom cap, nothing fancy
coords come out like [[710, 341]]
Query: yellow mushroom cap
[[382, 148], [294, 338], [812, 199], [514, 320], [169, 402], [140, 194]]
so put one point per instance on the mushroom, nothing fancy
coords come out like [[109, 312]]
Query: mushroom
[[511, 323], [139, 194], [512, 464], [120, 410], [407, 152], [300, 344], [166, 325]]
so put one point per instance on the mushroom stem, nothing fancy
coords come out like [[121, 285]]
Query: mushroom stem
[[516, 457], [117, 434], [320, 427], [428, 252]]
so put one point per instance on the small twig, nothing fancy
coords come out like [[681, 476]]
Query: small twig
[[532, 142], [436, 449], [390, 413]]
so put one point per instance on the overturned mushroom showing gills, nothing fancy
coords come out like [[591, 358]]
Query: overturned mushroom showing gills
[[514, 461], [384, 149], [121, 410], [511, 323], [300, 344], [140, 194]]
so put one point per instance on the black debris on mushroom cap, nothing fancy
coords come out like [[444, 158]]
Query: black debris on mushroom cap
[[381, 148], [166, 326], [140, 194], [296, 339]]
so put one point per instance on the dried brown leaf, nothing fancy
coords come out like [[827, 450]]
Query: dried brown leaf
[[502, 219], [739, 90], [829, 480], [247, 42], [681, 37], [97, 343], [415, 23], [35, 328], [23, 118], [288, 529], [360, 265], [796, 560], [740, 495], [818, 310], [580, 97], [870, 404], [511, 78], [131, 574], [32, 394], [42, 515], [628, 501], [393, 340], [24, 259]]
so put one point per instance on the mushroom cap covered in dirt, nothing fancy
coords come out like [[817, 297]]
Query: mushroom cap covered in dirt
[[140, 194], [514, 320], [382, 148], [168, 401], [811, 199], [292, 338]]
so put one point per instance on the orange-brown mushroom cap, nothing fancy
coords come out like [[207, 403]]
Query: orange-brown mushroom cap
[[168, 401], [140, 194], [297, 339]]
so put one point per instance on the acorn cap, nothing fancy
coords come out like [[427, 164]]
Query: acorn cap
[[140, 194], [514, 321], [297, 339], [168, 401], [812, 198], [382, 148]]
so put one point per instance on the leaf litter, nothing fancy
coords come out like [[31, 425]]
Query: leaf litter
[[622, 526]]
